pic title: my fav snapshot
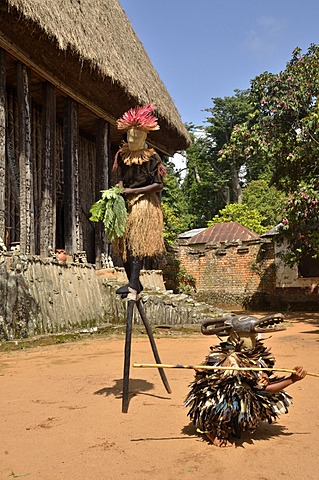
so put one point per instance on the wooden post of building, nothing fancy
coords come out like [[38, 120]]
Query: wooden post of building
[[71, 179], [27, 243], [101, 183], [2, 143], [48, 172]]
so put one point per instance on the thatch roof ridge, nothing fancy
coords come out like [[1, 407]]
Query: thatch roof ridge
[[100, 32]]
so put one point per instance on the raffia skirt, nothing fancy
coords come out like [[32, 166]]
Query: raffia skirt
[[143, 236]]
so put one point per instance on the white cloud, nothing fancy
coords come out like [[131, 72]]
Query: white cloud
[[266, 35]]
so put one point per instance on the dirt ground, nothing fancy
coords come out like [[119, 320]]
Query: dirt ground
[[60, 414]]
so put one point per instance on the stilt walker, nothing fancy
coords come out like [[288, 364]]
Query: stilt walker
[[140, 172]]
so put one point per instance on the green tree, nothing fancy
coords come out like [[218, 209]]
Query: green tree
[[235, 212], [300, 224], [289, 106], [267, 200], [174, 205], [211, 183], [283, 133], [203, 181], [226, 115], [283, 129]]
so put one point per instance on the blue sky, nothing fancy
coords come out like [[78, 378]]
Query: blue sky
[[209, 48]]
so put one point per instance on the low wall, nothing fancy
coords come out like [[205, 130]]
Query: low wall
[[44, 296], [38, 296]]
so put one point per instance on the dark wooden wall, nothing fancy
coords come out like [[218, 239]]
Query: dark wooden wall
[[2, 141], [52, 166]]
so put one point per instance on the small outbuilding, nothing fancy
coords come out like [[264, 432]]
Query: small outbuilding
[[297, 286], [236, 268], [231, 265]]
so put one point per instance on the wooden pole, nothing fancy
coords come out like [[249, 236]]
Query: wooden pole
[[101, 183], [211, 367], [127, 355], [153, 344], [48, 172], [27, 243], [71, 179], [127, 350]]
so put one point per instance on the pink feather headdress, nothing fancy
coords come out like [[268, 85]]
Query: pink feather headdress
[[142, 118]]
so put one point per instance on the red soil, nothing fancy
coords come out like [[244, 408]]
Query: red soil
[[60, 414]]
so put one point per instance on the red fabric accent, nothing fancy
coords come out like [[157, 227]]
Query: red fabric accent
[[162, 170], [115, 164]]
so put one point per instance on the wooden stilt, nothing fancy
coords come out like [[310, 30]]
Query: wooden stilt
[[127, 355], [127, 350], [153, 345]]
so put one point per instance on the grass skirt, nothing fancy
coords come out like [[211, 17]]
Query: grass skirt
[[143, 236]]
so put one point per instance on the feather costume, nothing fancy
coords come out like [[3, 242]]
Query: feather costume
[[228, 402]]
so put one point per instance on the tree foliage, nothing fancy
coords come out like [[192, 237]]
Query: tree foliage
[[283, 129], [235, 212], [210, 182], [300, 224], [282, 133], [267, 200], [174, 206], [226, 114], [203, 181], [256, 148]]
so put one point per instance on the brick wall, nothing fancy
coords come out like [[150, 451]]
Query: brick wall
[[233, 273]]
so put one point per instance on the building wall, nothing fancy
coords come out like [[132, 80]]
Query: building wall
[[292, 288], [54, 160], [288, 277], [248, 275], [233, 274]]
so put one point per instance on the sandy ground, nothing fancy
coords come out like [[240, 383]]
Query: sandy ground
[[60, 414]]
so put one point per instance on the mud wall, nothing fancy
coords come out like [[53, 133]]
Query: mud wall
[[39, 296], [43, 296]]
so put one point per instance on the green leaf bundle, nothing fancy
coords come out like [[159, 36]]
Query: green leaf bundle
[[111, 210]]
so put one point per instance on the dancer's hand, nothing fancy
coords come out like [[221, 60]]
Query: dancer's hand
[[263, 380], [299, 375]]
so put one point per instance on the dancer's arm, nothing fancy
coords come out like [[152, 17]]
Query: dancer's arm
[[275, 387], [153, 188]]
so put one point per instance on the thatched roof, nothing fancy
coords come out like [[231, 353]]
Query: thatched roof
[[91, 46]]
